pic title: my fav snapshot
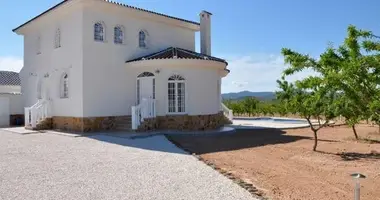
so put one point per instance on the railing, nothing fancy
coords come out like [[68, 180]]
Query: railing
[[36, 113], [146, 109], [227, 112]]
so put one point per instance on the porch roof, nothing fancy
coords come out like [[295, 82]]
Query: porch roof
[[177, 53]]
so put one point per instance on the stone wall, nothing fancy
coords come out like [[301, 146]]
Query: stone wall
[[46, 124], [185, 122], [16, 120], [87, 124]]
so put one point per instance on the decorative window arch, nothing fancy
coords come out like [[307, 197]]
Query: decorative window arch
[[118, 35], [143, 39], [64, 85], [99, 32], [138, 85], [57, 38], [176, 94], [145, 74], [39, 88]]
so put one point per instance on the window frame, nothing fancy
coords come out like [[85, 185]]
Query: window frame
[[122, 30], [176, 79], [64, 86], [103, 36], [57, 39], [146, 39], [38, 45]]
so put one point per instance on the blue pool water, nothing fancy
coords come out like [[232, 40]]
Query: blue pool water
[[273, 120]]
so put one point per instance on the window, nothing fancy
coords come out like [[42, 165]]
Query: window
[[118, 35], [57, 38], [38, 45], [64, 86], [176, 94], [99, 32], [39, 89], [143, 39]]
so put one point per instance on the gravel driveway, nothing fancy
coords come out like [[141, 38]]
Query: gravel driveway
[[50, 166]]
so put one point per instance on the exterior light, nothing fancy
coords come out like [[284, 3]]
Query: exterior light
[[357, 177]]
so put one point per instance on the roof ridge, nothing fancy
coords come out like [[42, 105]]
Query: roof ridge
[[108, 1], [174, 52]]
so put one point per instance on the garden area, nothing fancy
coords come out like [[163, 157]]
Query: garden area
[[339, 99], [281, 166]]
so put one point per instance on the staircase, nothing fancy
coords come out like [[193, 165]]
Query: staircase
[[145, 110], [123, 123], [227, 112], [36, 116]]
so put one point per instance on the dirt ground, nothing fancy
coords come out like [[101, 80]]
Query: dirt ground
[[283, 166]]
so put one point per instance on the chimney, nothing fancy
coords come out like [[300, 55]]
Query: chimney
[[205, 22]]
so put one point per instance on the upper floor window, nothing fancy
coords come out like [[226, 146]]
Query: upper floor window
[[57, 38], [64, 86], [99, 32], [38, 45], [118, 35], [143, 37]]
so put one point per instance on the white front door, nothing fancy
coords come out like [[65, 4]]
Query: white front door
[[146, 88]]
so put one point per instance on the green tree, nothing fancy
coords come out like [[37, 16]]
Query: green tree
[[311, 97]]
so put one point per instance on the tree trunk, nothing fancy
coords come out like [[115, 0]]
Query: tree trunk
[[353, 129], [315, 140]]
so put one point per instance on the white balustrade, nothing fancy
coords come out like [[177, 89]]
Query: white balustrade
[[146, 109], [36, 113], [227, 112]]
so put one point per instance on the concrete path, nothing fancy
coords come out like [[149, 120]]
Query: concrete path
[[52, 166]]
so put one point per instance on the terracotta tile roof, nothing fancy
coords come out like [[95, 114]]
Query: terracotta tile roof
[[113, 2], [9, 78], [177, 53]]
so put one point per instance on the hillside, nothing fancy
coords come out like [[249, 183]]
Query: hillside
[[243, 94]]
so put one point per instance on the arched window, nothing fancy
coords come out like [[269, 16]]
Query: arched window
[[39, 89], [57, 38], [176, 94], [118, 35], [99, 32], [143, 37], [64, 86]]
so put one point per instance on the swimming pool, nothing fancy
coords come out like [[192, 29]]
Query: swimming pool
[[268, 122], [273, 120]]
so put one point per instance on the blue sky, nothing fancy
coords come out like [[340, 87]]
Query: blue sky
[[248, 33]]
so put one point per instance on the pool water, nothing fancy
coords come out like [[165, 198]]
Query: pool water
[[273, 120]]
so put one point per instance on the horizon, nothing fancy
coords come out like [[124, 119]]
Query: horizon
[[252, 49]]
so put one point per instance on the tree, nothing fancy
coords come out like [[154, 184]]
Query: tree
[[313, 96], [250, 105], [308, 100]]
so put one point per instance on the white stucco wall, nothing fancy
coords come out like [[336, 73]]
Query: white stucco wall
[[15, 103], [109, 87], [67, 58], [100, 82], [10, 89], [201, 88]]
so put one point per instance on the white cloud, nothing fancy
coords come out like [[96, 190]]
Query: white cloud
[[9, 63], [257, 72]]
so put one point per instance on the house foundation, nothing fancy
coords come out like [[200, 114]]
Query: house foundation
[[185, 122]]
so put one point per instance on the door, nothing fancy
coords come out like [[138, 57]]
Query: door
[[4, 111], [147, 86]]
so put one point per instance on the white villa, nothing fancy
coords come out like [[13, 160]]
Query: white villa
[[93, 65]]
